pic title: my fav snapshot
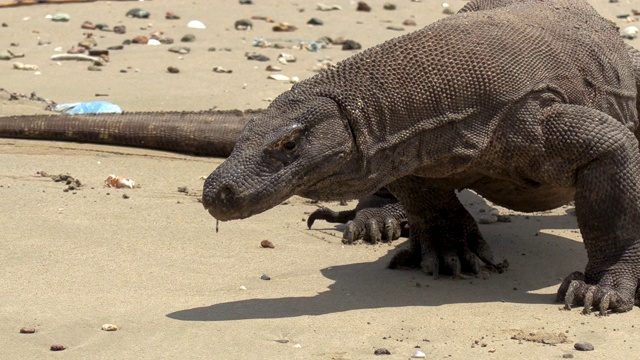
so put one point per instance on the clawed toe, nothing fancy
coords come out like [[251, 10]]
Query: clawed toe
[[574, 290]]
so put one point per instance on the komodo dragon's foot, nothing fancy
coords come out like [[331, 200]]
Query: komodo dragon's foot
[[613, 292], [378, 217], [446, 248]]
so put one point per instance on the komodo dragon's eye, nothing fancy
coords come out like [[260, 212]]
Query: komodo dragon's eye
[[289, 145]]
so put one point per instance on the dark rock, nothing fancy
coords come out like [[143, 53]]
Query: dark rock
[[246, 2], [140, 40], [243, 24], [315, 21], [120, 29], [188, 38], [567, 356], [363, 6], [351, 45], [180, 49], [265, 277], [170, 15], [257, 57], [57, 347], [389, 6], [584, 346], [173, 70], [382, 351], [138, 13]]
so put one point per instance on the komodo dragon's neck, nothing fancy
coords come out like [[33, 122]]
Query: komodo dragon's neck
[[210, 133]]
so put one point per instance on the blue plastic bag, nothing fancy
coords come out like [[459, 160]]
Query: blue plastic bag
[[91, 107]]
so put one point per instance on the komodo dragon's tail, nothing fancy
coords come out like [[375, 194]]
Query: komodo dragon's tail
[[211, 133]]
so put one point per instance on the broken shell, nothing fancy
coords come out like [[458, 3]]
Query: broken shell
[[22, 66], [195, 24], [418, 355], [323, 7], [110, 327], [118, 182], [286, 58], [630, 32]]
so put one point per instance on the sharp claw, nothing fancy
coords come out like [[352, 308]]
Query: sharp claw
[[351, 233], [372, 232], [392, 229]]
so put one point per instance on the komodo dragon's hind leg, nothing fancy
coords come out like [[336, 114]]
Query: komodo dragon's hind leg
[[444, 237], [605, 159]]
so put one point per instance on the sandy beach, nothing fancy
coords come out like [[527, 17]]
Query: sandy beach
[[149, 259]]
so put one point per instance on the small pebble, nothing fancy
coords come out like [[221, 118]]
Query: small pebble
[[315, 21], [265, 277], [282, 341], [170, 15], [584, 346], [382, 351], [351, 45], [323, 7], [418, 355], [285, 58], [630, 32], [173, 70], [61, 17], [243, 24], [221, 70], [57, 347], [279, 77], [180, 49], [267, 244], [140, 40], [188, 38], [395, 28], [138, 13], [256, 57], [246, 2], [446, 9], [109, 327], [27, 330], [88, 25], [120, 29], [196, 24], [567, 356], [94, 68], [389, 6], [409, 22], [363, 6], [284, 27]]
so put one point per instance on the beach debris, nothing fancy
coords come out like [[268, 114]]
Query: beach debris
[[196, 24], [279, 77], [27, 330], [315, 21], [94, 68], [284, 27], [170, 15], [282, 341], [57, 347], [88, 25], [183, 50], [567, 356], [161, 37], [542, 337], [110, 327], [294, 80], [221, 70], [493, 217], [22, 66], [363, 6], [243, 24], [154, 42], [242, 287], [418, 355], [630, 32], [382, 351], [323, 7], [119, 182], [389, 6], [256, 56], [409, 22], [120, 29], [246, 2], [88, 42], [395, 28], [138, 13], [90, 107], [351, 45], [273, 68], [285, 58], [583, 346], [267, 244], [71, 182], [77, 57], [297, 346], [173, 70], [265, 277], [59, 17], [188, 38], [141, 39]]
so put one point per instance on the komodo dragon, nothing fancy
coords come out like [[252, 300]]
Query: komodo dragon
[[531, 105]]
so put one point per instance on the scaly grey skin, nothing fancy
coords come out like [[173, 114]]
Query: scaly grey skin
[[531, 105], [210, 133]]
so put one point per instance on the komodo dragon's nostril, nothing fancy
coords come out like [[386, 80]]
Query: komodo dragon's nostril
[[226, 191]]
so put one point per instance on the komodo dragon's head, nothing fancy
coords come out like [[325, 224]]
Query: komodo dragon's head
[[298, 146]]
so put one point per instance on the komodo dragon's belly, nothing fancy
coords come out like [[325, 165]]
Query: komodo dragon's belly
[[518, 194]]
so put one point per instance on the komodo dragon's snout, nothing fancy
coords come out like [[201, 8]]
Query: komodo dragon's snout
[[273, 156]]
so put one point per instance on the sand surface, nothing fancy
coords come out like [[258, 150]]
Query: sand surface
[[153, 264]]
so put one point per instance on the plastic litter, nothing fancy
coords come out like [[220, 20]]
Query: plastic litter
[[91, 107]]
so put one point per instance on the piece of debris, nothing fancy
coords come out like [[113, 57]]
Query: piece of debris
[[267, 244], [583, 346], [109, 327], [118, 182]]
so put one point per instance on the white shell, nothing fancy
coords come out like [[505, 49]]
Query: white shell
[[279, 77], [110, 327], [196, 24], [630, 32], [418, 355], [118, 182], [154, 42], [243, 287]]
